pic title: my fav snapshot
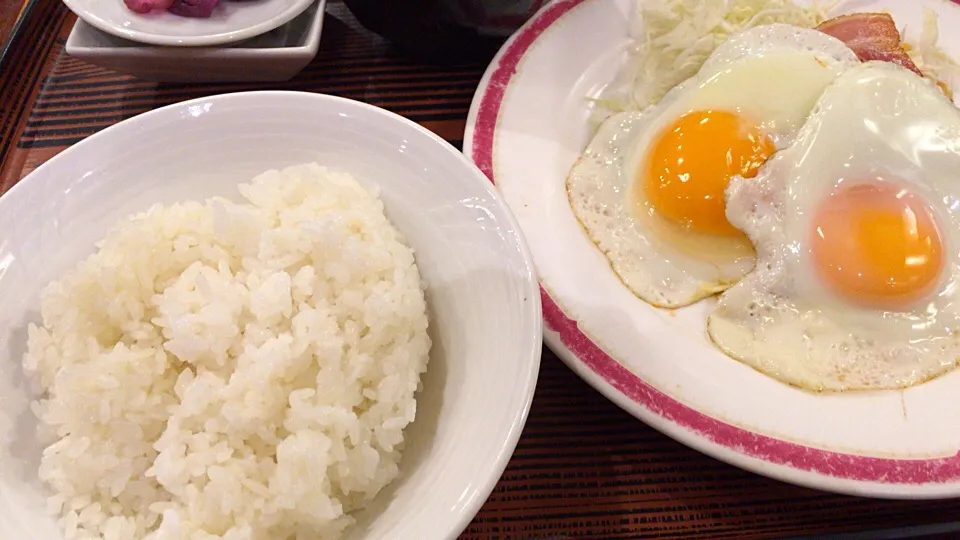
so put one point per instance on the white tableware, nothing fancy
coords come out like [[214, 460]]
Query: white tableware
[[232, 21], [275, 56], [526, 127], [481, 291]]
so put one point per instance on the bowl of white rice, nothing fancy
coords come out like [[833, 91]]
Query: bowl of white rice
[[259, 316]]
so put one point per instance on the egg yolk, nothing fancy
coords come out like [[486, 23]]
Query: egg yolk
[[877, 245], [691, 162]]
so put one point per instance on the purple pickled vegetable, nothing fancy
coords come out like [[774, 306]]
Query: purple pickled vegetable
[[193, 8], [146, 6]]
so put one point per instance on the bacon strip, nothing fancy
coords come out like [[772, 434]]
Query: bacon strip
[[872, 36]]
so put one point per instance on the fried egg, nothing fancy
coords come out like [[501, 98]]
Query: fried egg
[[649, 188], [856, 229]]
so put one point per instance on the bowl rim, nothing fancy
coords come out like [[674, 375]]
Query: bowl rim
[[531, 311]]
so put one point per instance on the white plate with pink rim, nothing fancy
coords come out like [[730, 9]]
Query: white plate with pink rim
[[231, 21], [527, 125]]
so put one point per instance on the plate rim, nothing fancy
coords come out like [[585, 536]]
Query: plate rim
[[220, 38], [795, 463]]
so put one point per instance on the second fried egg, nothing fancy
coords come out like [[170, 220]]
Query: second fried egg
[[649, 188], [857, 285]]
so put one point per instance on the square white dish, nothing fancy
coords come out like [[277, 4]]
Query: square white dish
[[277, 55]]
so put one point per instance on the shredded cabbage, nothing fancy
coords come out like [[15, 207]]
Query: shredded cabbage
[[929, 57], [674, 38]]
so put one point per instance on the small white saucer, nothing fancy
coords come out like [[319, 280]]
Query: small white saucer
[[232, 21], [277, 55]]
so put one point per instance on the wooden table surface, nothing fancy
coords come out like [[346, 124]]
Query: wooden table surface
[[10, 12], [583, 467]]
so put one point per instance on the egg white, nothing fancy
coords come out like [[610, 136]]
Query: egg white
[[774, 73], [875, 121]]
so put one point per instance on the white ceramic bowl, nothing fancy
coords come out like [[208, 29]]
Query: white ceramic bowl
[[483, 298], [232, 21], [277, 55]]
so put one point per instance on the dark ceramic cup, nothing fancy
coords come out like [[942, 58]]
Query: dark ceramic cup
[[445, 31]]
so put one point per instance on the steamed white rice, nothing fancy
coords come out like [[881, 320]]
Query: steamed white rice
[[236, 371]]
